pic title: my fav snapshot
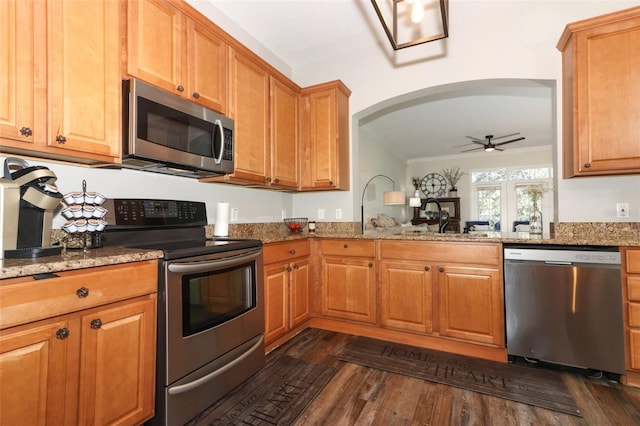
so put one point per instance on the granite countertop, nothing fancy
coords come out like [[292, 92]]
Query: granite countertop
[[74, 259], [594, 234]]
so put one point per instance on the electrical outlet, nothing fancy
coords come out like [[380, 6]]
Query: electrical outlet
[[622, 209], [338, 213], [320, 213], [234, 214]]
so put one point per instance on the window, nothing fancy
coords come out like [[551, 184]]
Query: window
[[502, 195]]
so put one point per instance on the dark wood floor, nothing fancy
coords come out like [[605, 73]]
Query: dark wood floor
[[359, 395]]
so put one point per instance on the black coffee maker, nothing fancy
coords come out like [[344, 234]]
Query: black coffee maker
[[29, 198]]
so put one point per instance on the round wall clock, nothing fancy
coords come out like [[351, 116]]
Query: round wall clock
[[433, 185]]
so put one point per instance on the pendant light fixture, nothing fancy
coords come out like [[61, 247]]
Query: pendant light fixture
[[411, 22]]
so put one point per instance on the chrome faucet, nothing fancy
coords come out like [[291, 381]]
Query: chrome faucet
[[442, 224]]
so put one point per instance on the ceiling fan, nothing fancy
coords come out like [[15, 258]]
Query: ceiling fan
[[489, 146]]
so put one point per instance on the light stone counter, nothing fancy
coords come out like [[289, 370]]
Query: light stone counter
[[74, 259], [588, 233]]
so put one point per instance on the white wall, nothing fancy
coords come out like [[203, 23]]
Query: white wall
[[488, 39]]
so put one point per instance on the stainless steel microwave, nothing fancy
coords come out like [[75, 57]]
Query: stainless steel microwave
[[164, 133]]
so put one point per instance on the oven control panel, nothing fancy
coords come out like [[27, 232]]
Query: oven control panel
[[141, 212]]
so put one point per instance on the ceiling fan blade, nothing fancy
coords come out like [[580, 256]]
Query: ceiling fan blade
[[472, 149], [512, 140], [475, 139], [506, 136], [498, 149]]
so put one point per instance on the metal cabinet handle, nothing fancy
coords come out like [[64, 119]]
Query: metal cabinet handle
[[196, 95], [96, 323], [441, 269], [180, 88], [82, 292], [62, 333], [26, 131], [331, 182], [346, 246], [267, 179], [292, 252], [61, 139], [296, 267], [276, 180], [288, 269], [587, 165], [370, 265], [426, 268]]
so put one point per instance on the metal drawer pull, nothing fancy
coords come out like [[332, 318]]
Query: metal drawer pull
[[426, 268], [96, 323], [26, 131], [82, 292], [62, 333], [346, 246], [292, 252], [441, 269]]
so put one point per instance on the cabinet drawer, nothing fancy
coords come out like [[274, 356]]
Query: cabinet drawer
[[633, 261], [349, 248], [282, 252], [445, 252], [634, 314], [633, 287], [26, 299]]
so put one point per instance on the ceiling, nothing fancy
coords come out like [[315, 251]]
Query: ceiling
[[430, 124]]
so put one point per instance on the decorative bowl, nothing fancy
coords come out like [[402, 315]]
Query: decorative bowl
[[296, 224]]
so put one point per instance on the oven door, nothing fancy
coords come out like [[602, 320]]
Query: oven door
[[214, 304]]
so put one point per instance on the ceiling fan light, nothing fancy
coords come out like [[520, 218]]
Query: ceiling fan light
[[489, 149]]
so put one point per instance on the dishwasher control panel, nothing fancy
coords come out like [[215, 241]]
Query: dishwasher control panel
[[598, 256]]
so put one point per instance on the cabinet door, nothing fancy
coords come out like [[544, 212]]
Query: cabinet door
[[84, 78], [117, 367], [249, 107], [284, 134], [348, 289], [325, 135], [154, 41], [34, 376], [206, 67], [17, 73], [601, 102], [406, 295], [276, 300], [299, 292], [471, 304]]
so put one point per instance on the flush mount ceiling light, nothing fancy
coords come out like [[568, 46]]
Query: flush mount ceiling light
[[412, 22]]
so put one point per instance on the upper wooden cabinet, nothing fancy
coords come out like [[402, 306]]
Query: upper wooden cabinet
[[325, 137], [601, 82], [264, 108], [18, 74], [170, 46], [284, 133], [64, 64]]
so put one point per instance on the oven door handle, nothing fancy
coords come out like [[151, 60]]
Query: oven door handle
[[210, 265], [176, 390]]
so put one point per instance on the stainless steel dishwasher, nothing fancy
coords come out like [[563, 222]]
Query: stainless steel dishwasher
[[564, 305]]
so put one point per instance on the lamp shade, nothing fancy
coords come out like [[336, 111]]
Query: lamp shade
[[415, 202], [393, 198]]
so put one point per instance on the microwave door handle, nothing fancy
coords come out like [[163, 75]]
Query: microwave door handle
[[220, 128]]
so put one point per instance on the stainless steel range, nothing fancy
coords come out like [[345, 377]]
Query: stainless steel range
[[210, 303]]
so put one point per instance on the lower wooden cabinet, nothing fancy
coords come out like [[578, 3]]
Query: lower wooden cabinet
[[286, 287], [471, 304], [444, 289], [631, 300], [348, 280], [406, 295], [88, 366]]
